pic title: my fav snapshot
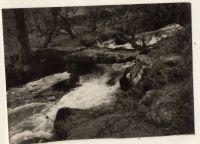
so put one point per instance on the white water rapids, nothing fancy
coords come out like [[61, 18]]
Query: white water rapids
[[31, 122]]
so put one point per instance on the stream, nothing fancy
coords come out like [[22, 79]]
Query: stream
[[35, 120]]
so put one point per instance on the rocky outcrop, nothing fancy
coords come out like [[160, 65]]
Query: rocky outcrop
[[162, 92]]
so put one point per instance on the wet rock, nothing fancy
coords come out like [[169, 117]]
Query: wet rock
[[20, 113], [62, 122], [46, 83], [124, 81], [136, 73]]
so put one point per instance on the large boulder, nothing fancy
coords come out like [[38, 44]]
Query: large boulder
[[73, 123], [94, 128], [63, 122], [171, 106]]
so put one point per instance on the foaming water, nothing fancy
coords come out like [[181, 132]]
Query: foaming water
[[92, 92], [32, 125]]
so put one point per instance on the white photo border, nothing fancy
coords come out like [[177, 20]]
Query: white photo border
[[179, 139]]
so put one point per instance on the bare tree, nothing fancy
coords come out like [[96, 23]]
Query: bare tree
[[67, 22], [133, 22], [92, 13], [54, 12]]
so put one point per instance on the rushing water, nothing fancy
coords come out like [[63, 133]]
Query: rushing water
[[30, 121]]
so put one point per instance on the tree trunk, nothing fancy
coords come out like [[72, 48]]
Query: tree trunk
[[54, 13], [22, 36], [94, 20]]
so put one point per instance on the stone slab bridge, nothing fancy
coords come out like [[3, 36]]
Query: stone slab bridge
[[82, 54]]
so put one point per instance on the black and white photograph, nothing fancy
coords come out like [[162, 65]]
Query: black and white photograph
[[98, 72]]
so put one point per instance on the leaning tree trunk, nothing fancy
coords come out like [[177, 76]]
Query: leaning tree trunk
[[22, 36]]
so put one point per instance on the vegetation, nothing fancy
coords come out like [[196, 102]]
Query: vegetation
[[44, 24]]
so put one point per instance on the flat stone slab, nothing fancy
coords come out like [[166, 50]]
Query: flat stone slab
[[87, 55]]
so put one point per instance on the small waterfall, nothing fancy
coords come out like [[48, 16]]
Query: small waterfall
[[38, 123]]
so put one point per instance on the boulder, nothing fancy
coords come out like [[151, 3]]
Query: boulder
[[63, 121], [73, 123], [124, 81], [169, 107], [134, 73], [95, 128]]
